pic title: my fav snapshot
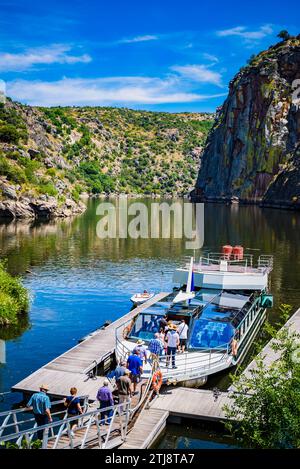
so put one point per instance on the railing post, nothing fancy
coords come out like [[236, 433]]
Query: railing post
[[45, 438], [15, 419]]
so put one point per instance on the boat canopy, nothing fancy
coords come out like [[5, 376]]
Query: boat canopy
[[212, 316], [215, 326]]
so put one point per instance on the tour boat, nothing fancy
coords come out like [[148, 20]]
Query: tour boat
[[222, 298], [140, 298]]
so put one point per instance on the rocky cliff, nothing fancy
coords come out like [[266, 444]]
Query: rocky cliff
[[252, 152], [50, 158]]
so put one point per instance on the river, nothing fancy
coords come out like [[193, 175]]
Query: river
[[78, 280]]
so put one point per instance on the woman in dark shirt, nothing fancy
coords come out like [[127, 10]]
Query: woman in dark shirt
[[72, 403]]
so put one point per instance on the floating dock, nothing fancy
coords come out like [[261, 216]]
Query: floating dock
[[72, 368]]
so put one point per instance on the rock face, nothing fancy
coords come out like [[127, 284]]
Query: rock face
[[39, 208], [252, 151]]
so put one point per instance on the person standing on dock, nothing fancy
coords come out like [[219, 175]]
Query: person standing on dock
[[124, 388], [141, 350], [172, 340], [135, 365], [40, 404], [72, 403], [105, 398], [120, 370]]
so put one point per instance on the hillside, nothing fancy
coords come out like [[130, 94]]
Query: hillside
[[51, 157], [252, 152]]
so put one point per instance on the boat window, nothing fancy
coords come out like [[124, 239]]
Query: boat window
[[231, 300], [204, 296], [210, 334], [145, 326]]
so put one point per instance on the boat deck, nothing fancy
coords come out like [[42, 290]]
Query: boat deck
[[72, 367], [240, 269], [189, 365]]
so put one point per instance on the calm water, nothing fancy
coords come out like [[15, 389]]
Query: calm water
[[77, 281], [193, 437]]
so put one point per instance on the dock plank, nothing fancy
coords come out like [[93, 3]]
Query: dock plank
[[71, 368]]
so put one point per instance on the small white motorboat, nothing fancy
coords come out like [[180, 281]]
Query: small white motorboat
[[140, 298]]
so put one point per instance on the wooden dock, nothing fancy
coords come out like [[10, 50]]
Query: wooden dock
[[179, 402], [190, 403], [72, 367]]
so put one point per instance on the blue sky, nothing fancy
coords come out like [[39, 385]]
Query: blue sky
[[157, 55]]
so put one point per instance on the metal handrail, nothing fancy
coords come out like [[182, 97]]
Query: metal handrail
[[190, 361], [86, 421], [63, 426], [13, 413]]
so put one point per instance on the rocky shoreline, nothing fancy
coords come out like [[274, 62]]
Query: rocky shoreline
[[43, 207], [279, 204]]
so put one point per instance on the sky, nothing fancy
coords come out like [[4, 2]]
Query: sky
[[162, 55]]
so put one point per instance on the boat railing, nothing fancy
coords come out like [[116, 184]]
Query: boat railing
[[247, 321], [201, 361], [263, 264]]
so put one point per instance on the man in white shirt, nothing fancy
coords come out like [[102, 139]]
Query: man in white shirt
[[182, 330], [172, 339]]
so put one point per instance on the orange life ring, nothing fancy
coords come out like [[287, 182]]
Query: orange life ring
[[157, 380]]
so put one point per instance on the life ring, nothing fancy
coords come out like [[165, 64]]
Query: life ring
[[157, 381]]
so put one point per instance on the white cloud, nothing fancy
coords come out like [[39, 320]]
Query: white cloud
[[55, 53], [199, 73], [104, 91], [138, 39], [242, 31], [210, 57]]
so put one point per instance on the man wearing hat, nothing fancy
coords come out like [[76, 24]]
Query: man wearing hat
[[141, 350], [40, 404], [172, 339]]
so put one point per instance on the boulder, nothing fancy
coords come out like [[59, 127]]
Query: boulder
[[8, 191], [15, 209]]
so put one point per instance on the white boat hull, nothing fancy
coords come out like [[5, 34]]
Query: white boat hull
[[139, 300], [223, 280]]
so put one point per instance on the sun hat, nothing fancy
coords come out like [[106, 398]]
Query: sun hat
[[45, 387], [140, 342]]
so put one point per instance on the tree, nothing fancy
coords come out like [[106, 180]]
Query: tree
[[9, 134], [265, 408], [284, 35]]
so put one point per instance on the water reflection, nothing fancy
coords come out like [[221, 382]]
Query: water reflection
[[78, 280]]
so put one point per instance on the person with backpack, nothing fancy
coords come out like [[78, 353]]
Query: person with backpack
[[72, 403]]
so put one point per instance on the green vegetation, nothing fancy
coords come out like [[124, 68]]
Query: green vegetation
[[14, 298], [12, 126], [265, 407], [284, 35], [64, 151]]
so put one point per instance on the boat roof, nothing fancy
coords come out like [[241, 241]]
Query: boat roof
[[216, 305]]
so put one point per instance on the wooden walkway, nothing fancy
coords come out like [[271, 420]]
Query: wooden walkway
[[189, 403], [72, 367], [180, 402]]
